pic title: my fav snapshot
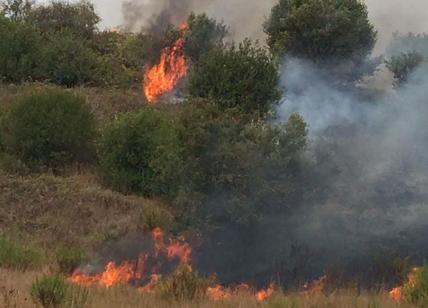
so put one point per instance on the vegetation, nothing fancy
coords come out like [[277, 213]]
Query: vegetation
[[139, 153], [218, 163], [69, 259], [320, 30], [52, 128], [184, 284], [243, 77], [20, 257], [403, 65], [416, 288]]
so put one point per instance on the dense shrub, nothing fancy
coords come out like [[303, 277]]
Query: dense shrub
[[19, 51], [243, 77], [235, 171], [202, 35], [49, 291], [321, 30], [16, 256], [67, 60], [184, 284], [404, 65], [69, 259], [51, 127], [139, 153], [416, 288]]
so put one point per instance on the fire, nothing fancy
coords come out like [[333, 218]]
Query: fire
[[397, 293], [145, 271], [265, 293], [218, 292], [139, 270], [172, 67]]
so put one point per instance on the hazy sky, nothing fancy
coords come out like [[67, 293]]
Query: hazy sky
[[387, 15]]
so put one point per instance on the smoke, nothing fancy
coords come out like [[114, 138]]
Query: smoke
[[245, 17], [368, 158]]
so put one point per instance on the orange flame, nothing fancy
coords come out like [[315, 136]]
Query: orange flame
[[265, 293], [128, 271], [218, 292], [172, 67], [397, 293]]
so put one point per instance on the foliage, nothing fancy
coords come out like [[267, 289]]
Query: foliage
[[69, 259], [78, 18], [243, 77], [16, 256], [13, 165], [51, 127], [320, 30], [403, 65], [68, 61], [203, 34], [184, 284], [16, 10], [416, 289], [49, 291], [19, 51], [235, 171], [139, 153]]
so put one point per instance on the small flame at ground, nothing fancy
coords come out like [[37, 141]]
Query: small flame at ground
[[172, 67], [128, 271], [397, 293], [144, 272]]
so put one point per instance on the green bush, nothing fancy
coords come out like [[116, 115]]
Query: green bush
[[15, 256], [235, 171], [13, 165], [415, 290], [69, 259], [139, 153], [49, 291], [243, 77], [52, 128], [184, 284]]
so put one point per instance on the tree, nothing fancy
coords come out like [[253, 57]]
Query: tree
[[243, 77], [235, 172], [79, 18], [67, 61], [16, 10], [403, 65], [19, 51], [320, 30], [139, 152], [202, 35]]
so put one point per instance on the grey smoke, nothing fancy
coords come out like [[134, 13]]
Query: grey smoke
[[370, 155]]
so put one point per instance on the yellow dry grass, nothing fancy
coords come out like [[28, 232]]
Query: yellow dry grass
[[15, 288]]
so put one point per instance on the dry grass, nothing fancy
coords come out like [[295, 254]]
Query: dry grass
[[49, 210], [15, 292]]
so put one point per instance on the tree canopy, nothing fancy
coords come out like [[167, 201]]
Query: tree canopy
[[320, 30]]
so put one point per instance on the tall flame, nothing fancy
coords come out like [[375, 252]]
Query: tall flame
[[172, 67]]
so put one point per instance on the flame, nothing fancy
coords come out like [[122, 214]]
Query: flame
[[265, 293], [172, 67], [145, 273], [128, 271], [219, 292], [397, 293], [314, 287]]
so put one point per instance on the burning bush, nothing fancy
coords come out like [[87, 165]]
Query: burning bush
[[415, 290], [52, 128], [140, 153]]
